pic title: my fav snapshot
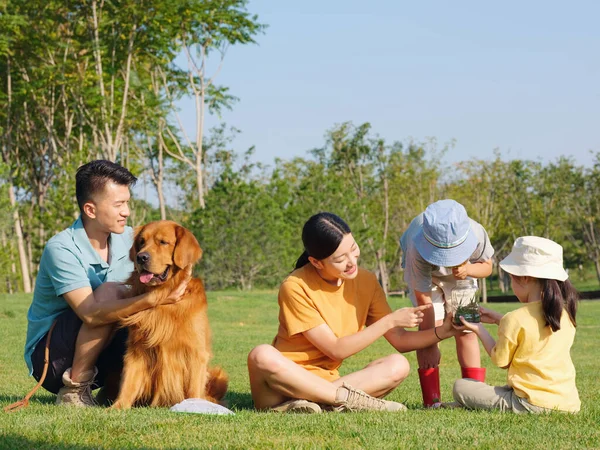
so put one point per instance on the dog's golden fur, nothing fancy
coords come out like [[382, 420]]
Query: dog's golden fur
[[168, 348]]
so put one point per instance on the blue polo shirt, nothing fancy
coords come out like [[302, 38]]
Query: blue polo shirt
[[70, 262]]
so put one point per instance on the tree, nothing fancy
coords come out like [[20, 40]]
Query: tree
[[582, 222], [240, 230], [205, 28]]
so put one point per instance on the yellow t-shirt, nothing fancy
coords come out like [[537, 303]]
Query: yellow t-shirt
[[538, 360], [307, 301]]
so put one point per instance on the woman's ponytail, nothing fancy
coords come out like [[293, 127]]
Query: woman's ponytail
[[557, 295], [302, 261]]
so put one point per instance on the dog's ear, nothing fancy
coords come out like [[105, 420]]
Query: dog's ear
[[187, 250], [134, 247]]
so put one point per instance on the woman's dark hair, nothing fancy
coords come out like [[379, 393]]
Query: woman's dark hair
[[93, 176], [321, 236], [557, 295]]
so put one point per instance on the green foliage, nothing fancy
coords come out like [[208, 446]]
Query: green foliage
[[9, 277], [242, 231], [94, 79], [98, 79]]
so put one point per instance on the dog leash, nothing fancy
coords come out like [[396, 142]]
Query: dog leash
[[25, 401]]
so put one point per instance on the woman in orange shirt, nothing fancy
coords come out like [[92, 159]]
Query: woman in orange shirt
[[330, 309]]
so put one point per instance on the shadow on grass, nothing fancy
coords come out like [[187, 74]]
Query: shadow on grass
[[239, 400], [43, 399], [235, 400], [18, 442]]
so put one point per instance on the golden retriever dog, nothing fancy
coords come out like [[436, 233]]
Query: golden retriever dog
[[168, 347]]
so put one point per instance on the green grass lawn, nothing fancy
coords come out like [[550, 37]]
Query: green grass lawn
[[239, 322]]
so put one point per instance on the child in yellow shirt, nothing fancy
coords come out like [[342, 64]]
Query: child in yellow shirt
[[330, 309], [534, 341]]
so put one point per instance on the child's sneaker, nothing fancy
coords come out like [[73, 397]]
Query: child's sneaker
[[298, 406]]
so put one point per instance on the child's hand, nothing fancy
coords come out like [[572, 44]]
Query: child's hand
[[460, 272], [474, 327], [489, 316]]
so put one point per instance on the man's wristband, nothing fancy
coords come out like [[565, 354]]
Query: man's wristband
[[436, 335]]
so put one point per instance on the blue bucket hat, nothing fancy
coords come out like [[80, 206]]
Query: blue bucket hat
[[446, 238]]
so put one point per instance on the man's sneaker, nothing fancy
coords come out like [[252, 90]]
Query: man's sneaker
[[298, 406], [348, 398], [77, 393]]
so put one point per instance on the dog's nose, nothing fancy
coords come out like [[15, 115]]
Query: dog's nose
[[143, 257]]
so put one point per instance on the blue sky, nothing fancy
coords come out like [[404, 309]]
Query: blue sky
[[523, 77]]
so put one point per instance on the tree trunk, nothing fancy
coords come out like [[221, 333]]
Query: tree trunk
[[161, 200], [23, 259], [200, 142], [501, 284], [597, 266], [483, 285], [4, 241], [159, 176], [384, 277]]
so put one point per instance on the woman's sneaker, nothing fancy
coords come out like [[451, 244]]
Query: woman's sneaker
[[298, 406], [348, 398]]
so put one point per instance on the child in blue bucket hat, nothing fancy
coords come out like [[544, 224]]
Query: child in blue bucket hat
[[441, 246]]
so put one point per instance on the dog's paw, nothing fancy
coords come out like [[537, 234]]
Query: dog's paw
[[120, 405]]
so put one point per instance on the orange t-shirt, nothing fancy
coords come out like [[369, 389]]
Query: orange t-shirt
[[307, 301]]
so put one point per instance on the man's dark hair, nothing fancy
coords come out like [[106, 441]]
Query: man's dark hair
[[92, 177]]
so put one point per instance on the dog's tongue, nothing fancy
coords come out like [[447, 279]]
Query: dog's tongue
[[145, 277]]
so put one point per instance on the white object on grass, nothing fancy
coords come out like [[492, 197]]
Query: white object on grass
[[200, 406]]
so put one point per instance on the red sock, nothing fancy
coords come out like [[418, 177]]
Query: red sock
[[475, 373], [430, 385]]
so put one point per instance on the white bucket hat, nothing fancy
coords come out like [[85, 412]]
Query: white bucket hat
[[537, 257]]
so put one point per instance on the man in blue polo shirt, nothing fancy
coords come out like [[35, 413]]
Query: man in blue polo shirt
[[80, 286]]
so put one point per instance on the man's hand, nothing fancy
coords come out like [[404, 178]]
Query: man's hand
[[460, 272], [178, 292], [409, 317]]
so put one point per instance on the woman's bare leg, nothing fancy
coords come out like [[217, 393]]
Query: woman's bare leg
[[275, 379], [379, 377]]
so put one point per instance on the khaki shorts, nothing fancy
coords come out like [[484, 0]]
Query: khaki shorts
[[439, 292], [474, 394]]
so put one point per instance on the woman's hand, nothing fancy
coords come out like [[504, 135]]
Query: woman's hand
[[408, 317], [489, 316], [447, 329]]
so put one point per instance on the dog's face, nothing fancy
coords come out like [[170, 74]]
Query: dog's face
[[160, 249]]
